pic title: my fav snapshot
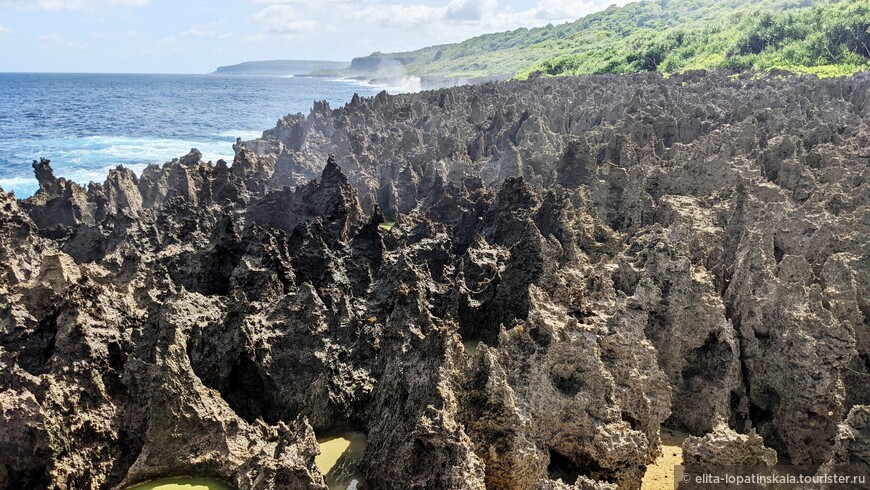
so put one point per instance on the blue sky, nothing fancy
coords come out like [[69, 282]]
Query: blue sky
[[196, 36]]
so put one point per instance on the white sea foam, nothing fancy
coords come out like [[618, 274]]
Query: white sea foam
[[405, 85], [85, 160], [22, 186], [240, 133], [397, 85]]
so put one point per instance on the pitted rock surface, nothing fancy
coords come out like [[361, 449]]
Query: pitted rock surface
[[625, 253]]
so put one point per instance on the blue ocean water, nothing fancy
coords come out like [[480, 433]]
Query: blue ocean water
[[89, 123]]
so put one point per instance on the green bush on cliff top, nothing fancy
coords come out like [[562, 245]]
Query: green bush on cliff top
[[801, 36], [829, 39]]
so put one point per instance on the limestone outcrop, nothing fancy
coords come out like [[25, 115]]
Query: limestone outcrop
[[724, 452], [851, 454], [511, 285]]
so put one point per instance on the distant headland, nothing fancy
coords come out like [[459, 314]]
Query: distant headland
[[281, 67]]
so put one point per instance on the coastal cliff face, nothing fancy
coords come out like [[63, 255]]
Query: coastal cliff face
[[575, 263]]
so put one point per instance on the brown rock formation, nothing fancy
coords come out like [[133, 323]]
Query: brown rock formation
[[624, 252]]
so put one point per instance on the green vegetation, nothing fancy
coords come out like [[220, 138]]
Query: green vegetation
[[387, 226], [801, 36], [829, 39]]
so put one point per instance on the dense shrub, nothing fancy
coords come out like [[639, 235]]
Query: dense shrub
[[802, 36]]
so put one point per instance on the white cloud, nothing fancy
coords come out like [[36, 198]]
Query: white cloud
[[211, 30], [470, 10], [55, 5], [294, 16], [200, 32], [418, 24], [284, 19], [255, 38], [167, 46], [225, 51], [301, 2], [4, 31], [58, 41], [453, 22], [567, 10], [401, 16], [169, 43], [114, 35]]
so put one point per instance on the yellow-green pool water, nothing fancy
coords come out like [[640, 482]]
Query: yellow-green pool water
[[471, 346], [182, 483], [339, 456]]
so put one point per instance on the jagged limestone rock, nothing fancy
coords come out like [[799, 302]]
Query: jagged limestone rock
[[574, 263], [851, 454]]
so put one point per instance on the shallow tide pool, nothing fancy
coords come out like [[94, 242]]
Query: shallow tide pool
[[339, 456], [182, 483]]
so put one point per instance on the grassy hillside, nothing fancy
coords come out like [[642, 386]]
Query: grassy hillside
[[804, 36]]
